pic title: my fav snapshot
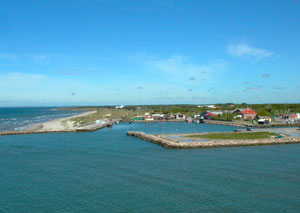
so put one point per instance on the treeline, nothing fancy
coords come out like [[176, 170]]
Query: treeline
[[188, 109]]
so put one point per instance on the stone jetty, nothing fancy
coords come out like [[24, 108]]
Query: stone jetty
[[88, 128], [168, 143], [241, 124]]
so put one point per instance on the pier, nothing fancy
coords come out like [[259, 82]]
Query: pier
[[236, 124], [85, 128], [166, 142]]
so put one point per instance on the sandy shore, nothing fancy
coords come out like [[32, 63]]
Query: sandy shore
[[62, 124]]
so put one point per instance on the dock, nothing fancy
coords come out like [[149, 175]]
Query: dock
[[85, 128], [166, 142], [236, 124]]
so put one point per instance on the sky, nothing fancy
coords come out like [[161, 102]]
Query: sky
[[111, 52]]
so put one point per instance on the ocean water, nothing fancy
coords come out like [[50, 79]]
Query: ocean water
[[107, 171], [17, 118]]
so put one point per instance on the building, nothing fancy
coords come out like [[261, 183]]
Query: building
[[206, 115], [268, 118], [263, 121], [179, 116], [212, 106], [295, 117], [216, 112], [149, 118], [237, 110], [120, 107], [248, 114], [158, 116]]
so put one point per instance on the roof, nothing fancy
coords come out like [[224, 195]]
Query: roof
[[208, 114], [264, 117], [262, 120], [248, 111]]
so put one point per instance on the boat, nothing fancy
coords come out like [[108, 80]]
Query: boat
[[189, 120], [201, 120]]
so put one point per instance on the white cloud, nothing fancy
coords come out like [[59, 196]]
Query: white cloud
[[180, 68], [245, 50], [180, 64]]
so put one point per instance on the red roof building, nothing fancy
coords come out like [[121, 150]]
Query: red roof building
[[248, 114]]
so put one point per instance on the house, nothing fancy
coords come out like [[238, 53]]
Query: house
[[263, 121], [237, 110], [212, 106], [149, 118], [179, 116], [295, 117], [206, 115], [120, 107], [216, 112], [158, 116], [248, 114], [265, 118], [197, 117]]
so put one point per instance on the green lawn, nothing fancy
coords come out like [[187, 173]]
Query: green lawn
[[235, 135]]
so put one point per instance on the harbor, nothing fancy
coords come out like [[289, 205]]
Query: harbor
[[189, 141]]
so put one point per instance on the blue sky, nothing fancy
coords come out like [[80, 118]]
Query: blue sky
[[85, 52]]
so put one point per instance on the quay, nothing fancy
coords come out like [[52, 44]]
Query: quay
[[166, 142], [236, 124], [82, 129], [86, 128]]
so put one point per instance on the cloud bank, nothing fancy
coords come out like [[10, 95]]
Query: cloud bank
[[245, 50]]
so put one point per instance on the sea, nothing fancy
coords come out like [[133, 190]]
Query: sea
[[18, 118], [108, 171]]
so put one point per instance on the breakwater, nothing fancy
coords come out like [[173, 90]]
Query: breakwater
[[230, 123], [168, 143], [89, 128], [227, 123]]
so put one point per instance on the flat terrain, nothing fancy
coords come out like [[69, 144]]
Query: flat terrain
[[102, 113], [234, 135]]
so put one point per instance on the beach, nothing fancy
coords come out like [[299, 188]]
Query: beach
[[57, 125]]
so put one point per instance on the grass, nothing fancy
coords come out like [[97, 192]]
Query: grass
[[102, 113], [235, 135]]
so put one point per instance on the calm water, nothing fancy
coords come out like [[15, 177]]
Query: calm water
[[107, 171], [18, 118]]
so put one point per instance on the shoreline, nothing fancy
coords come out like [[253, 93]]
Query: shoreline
[[56, 125], [167, 142], [59, 124]]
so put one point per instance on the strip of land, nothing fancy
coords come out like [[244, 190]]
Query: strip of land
[[62, 125], [216, 139], [233, 135]]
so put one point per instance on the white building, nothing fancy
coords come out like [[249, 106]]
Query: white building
[[212, 106], [179, 116], [216, 112]]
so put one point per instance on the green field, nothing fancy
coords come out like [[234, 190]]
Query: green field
[[101, 113], [235, 135]]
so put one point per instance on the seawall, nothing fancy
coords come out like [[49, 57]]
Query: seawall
[[167, 143], [89, 128]]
